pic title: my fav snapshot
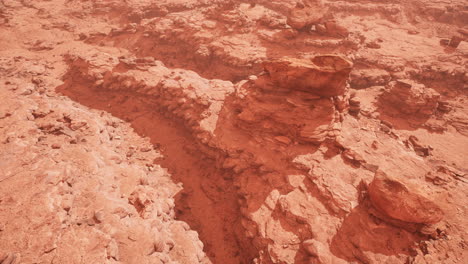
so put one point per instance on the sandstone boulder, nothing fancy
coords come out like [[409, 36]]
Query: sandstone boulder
[[408, 97], [322, 75], [303, 15], [400, 201]]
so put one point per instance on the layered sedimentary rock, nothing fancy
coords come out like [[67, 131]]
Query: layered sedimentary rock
[[221, 131], [321, 75], [306, 14], [410, 98], [292, 99], [399, 201]]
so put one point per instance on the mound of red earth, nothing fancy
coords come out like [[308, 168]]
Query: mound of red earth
[[296, 131]]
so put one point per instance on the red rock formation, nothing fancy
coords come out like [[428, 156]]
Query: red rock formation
[[220, 131], [411, 99], [306, 14], [322, 75], [399, 201]]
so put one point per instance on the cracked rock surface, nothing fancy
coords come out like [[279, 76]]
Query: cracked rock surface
[[229, 131]]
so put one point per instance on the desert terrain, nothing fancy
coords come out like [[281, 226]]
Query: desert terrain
[[233, 132]]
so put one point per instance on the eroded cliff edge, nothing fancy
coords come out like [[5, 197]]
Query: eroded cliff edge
[[231, 132]]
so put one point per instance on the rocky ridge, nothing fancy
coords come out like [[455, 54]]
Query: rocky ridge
[[219, 132]]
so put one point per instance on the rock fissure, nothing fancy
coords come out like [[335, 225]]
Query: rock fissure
[[218, 170], [208, 201], [224, 131]]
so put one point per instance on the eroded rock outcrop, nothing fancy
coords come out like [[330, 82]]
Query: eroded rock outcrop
[[110, 202], [164, 150], [292, 100], [410, 98], [307, 13], [401, 201], [321, 75]]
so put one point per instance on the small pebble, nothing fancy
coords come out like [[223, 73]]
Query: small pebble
[[56, 146]]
